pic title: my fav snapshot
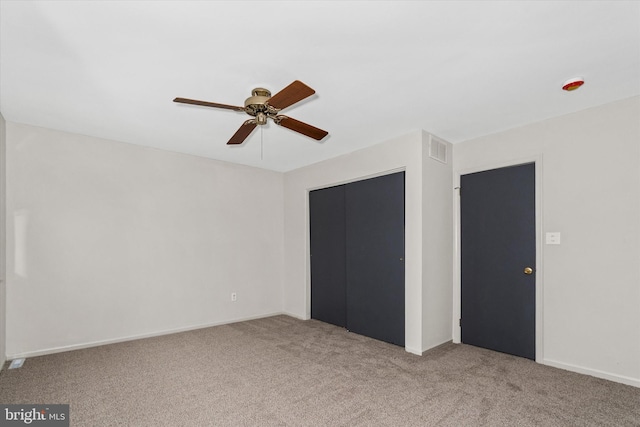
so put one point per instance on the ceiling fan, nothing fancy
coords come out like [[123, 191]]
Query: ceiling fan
[[262, 106]]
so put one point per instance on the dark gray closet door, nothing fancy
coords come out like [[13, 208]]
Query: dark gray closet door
[[375, 257], [328, 256], [498, 248]]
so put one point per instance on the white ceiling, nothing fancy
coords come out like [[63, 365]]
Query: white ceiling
[[380, 69]]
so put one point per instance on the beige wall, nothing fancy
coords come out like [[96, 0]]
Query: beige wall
[[402, 153], [110, 241], [589, 190]]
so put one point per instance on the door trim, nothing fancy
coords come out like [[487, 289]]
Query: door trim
[[457, 302]]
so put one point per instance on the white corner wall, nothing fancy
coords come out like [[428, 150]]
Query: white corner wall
[[3, 241], [437, 244], [402, 153], [109, 241], [591, 194]]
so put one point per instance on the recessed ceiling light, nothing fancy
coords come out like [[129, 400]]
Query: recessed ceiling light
[[573, 84]]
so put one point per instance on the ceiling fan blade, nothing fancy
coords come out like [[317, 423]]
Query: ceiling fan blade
[[295, 92], [301, 127], [208, 104], [242, 133]]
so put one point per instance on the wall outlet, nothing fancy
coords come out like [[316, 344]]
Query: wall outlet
[[234, 296]]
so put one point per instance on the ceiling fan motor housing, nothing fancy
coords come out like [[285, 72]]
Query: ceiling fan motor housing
[[256, 105]]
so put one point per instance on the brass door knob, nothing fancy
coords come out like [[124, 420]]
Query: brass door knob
[[528, 270]]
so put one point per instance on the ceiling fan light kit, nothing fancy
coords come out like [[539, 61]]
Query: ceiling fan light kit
[[262, 106]]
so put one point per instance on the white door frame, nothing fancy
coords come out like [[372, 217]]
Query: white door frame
[[539, 248]]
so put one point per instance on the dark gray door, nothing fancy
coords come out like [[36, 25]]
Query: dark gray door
[[498, 247], [375, 257], [357, 256], [328, 255]]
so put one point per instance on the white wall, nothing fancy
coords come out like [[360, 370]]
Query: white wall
[[3, 241], [437, 244], [590, 164], [109, 241], [403, 153]]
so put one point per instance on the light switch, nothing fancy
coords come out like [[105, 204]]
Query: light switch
[[553, 238]]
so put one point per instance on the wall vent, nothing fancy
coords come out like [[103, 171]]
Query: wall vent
[[16, 363], [437, 149]]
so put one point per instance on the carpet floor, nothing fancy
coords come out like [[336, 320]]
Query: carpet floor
[[281, 371]]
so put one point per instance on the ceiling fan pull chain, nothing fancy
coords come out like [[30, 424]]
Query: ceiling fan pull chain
[[261, 146]]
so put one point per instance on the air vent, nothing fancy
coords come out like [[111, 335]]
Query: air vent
[[16, 363], [437, 149]]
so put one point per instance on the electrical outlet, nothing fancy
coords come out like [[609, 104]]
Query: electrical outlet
[[234, 296]]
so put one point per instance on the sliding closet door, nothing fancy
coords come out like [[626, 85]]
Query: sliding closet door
[[328, 257], [375, 257]]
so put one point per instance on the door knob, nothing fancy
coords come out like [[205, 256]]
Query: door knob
[[528, 270]]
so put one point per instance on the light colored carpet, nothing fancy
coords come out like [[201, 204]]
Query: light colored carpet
[[280, 371]]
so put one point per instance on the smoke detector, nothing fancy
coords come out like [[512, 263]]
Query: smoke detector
[[573, 84]]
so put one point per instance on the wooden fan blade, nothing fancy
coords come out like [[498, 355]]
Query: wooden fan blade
[[295, 92], [301, 127], [208, 104], [242, 133]]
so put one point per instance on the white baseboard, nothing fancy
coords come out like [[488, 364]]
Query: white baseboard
[[296, 316], [421, 352], [635, 382], [431, 347], [135, 337], [413, 351]]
